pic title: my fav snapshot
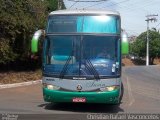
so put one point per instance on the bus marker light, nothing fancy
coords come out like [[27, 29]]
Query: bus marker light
[[109, 88], [50, 87]]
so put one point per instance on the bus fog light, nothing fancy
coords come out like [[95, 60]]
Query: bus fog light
[[110, 88], [50, 87]]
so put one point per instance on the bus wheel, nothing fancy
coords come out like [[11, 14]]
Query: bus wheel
[[122, 92]]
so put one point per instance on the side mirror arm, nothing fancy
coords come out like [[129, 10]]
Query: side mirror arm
[[35, 40], [125, 43]]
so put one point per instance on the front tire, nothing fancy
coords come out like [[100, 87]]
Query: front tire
[[122, 92]]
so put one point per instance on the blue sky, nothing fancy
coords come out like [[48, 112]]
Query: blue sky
[[133, 12]]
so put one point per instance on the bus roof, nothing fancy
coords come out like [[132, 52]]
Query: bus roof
[[83, 12]]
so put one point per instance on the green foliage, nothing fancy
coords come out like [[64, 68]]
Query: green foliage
[[18, 21], [138, 47], [6, 52], [53, 5]]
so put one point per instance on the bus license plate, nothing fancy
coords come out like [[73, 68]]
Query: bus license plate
[[79, 100]]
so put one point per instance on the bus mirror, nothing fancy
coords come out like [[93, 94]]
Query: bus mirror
[[35, 40], [125, 43]]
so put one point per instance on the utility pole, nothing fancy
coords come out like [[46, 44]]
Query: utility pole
[[149, 18]]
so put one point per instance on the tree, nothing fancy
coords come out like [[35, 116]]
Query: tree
[[54, 4], [139, 46], [17, 23], [19, 19]]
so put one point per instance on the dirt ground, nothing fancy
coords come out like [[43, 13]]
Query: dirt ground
[[17, 77], [129, 62], [24, 76]]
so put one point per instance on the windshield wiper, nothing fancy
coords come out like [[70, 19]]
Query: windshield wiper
[[92, 69], [65, 68]]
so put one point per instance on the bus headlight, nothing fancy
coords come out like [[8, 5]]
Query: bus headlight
[[50, 87], [109, 88]]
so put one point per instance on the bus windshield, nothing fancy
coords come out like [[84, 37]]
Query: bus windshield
[[81, 55], [83, 24]]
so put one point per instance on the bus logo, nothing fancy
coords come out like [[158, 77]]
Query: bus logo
[[79, 87]]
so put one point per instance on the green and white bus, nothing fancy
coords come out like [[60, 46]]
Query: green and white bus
[[82, 56]]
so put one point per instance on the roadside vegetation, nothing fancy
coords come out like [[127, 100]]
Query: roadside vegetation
[[19, 19], [21, 76], [138, 48]]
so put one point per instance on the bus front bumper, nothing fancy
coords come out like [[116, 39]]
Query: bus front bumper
[[111, 97]]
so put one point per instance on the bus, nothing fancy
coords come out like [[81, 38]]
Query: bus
[[82, 52]]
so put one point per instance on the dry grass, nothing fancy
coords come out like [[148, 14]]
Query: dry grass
[[129, 62], [17, 77], [157, 61]]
